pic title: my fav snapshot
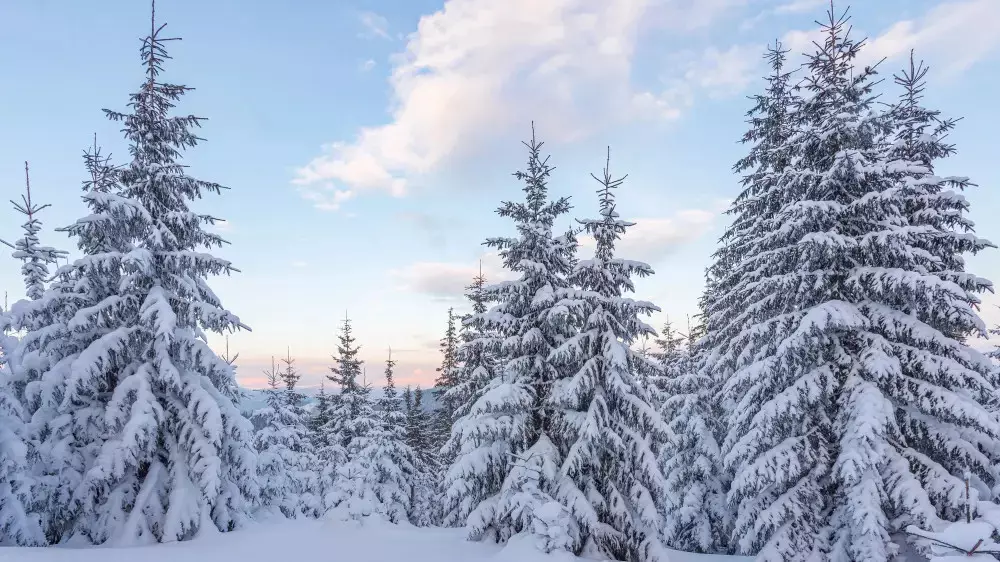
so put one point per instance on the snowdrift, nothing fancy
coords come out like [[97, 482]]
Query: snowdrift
[[320, 541]]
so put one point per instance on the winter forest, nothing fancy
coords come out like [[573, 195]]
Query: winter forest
[[828, 402]]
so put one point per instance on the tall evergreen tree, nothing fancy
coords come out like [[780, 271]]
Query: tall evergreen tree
[[155, 444], [507, 450], [59, 327], [447, 379], [270, 445], [352, 400], [388, 456], [319, 418], [426, 509], [610, 482], [19, 525], [696, 517], [692, 458], [35, 258], [477, 365], [772, 121], [285, 465], [853, 408], [351, 479]]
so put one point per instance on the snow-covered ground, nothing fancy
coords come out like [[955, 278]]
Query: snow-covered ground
[[319, 541]]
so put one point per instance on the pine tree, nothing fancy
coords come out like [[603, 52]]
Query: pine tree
[[388, 455], [269, 441], [352, 400], [506, 450], [67, 320], [447, 379], [390, 404], [319, 418], [932, 204], [147, 412], [852, 409], [285, 465], [772, 122], [695, 408], [35, 257], [19, 525], [696, 517], [350, 485], [477, 365], [420, 438], [612, 483]]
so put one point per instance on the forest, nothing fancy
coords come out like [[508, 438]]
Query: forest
[[826, 404]]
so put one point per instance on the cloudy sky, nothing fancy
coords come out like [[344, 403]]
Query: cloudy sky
[[368, 142]]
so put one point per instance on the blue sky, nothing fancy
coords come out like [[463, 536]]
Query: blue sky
[[367, 143]]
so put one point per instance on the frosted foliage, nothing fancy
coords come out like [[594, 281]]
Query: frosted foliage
[[426, 508], [19, 524], [448, 378], [493, 477], [373, 469], [135, 414], [476, 368], [853, 401], [696, 517], [34, 257], [373, 480], [286, 464], [609, 480], [393, 458]]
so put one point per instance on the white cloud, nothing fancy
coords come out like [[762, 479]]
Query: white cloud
[[367, 65], [800, 6], [328, 199], [375, 25], [476, 70], [712, 72], [222, 226], [724, 72], [445, 280], [956, 35], [953, 35], [652, 239]]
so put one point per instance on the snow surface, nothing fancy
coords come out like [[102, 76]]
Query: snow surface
[[308, 540]]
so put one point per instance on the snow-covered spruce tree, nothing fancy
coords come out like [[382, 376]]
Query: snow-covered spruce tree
[[173, 451], [772, 121], [696, 517], [669, 347], [19, 525], [35, 258], [446, 380], [349, 481], [284, 458], [304, 474], [934, 206], [852, 410], [269, 441], [319, 418], [477, 365], [785, 355], [67, 434], [420, 437], [388, 454], [24, 363], [611, 482], [509, 452], [733, 306]]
